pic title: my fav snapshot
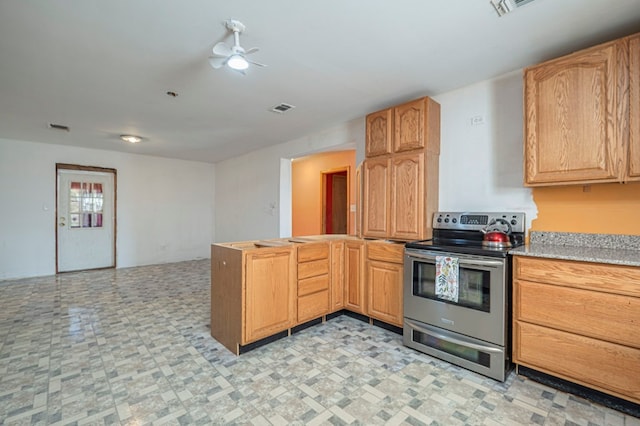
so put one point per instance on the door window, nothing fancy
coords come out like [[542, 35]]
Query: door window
[[85, 205]]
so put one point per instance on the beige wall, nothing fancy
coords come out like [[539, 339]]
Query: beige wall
[[306, 189], [612, 208]]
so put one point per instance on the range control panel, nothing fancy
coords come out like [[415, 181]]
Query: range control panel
[[475, 221]]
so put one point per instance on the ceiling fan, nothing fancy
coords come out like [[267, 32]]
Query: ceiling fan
[[235, 57]]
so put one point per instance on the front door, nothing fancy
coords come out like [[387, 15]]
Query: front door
[[85, 225]]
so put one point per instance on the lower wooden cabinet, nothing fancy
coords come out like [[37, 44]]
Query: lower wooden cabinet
[[313, 280], [268, 293], [252, 292], [579, 321], [354, 296], [262, 288], [337, 276], [384, 281]]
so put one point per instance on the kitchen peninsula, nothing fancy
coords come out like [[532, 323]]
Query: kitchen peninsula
[[265, 290]]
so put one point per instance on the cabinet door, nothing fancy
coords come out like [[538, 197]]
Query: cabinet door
[[385, 291], [353, 275], [407, 218], [337, 276], [270, 292], [409, 126], [633, 172], [379, 133], [570, 118], [375, 199]]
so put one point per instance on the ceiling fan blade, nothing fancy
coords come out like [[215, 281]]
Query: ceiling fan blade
[[221, 49], [252, 50], [256, 63], [217, 61]]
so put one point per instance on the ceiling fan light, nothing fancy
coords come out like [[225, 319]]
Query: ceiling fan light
[[131, 138], [238, 62]]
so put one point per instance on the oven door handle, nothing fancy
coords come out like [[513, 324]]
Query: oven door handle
[[431, 332], [461, 260]]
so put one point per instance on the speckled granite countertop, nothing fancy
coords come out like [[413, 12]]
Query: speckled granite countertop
[[600, 248]]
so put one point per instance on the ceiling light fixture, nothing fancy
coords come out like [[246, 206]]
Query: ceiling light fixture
[[131, 138], [238, 62], [282, 108]]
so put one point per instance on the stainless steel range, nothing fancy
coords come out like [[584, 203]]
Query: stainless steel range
[[457, 290]]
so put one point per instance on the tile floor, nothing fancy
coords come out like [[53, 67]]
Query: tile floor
[[132, 347]]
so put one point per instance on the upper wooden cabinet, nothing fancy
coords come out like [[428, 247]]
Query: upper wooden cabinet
[[633, 171], [406, 200], [417, 126], [400, 174], [577, 119], [375, 197], [379, 133], [414, 125]]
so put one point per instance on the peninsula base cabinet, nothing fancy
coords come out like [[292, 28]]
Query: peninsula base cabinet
[[252, 292], [337, 276], [313, 280], [580, 322], [354, 285], [384, 281], [263, 288]]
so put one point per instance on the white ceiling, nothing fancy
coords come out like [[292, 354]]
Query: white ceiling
[[103, 67]]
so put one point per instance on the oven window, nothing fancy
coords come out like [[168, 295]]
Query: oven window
[[473, 286], [461, 351]]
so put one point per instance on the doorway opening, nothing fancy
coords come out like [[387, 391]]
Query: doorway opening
[[335, 201], [85, 228]]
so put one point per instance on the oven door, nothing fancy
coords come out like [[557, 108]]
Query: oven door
[[481, 306]]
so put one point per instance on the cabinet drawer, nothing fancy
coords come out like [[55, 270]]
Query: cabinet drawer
[[591, 276], [608, 367], [386, 252], [604, 316], [313, 285], [313, 251], [313, 305], [312, 269]]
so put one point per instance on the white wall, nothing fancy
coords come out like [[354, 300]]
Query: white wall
[[165, 207], [481, 165], [248, 199]]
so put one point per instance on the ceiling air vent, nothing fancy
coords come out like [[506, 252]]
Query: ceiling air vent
[[59, 127], [282, 108], [503, 7]]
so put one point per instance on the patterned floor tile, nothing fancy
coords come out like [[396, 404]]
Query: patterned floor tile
[[132, 347]]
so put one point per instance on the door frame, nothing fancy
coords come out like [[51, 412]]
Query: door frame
[[76, 167], [323, 202]]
